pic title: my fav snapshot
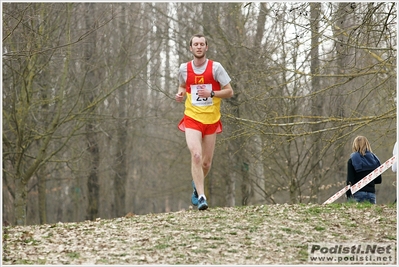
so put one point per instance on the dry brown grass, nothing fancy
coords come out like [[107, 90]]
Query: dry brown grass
[[255, 235]]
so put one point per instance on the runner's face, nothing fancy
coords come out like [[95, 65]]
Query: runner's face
[[198, 47]]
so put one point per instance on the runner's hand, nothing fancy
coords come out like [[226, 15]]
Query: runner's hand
[[204, 93], [179, 97]]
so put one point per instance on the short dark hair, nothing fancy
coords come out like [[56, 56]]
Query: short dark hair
[[199, 35]]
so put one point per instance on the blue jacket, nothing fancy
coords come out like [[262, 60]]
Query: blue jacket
[[359, 167]]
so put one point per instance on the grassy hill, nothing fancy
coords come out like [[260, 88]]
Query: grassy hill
[[255, 235]]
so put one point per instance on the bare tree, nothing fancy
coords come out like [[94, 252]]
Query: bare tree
[[90, 125], [316, 100]]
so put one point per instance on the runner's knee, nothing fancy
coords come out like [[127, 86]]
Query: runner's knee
[[197, 157], [206, 165]]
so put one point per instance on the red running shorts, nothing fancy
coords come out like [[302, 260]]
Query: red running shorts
[[205, 129]]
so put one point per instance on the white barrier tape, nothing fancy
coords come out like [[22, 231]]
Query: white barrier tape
[[371, 176], [356, 187], [337, 195]]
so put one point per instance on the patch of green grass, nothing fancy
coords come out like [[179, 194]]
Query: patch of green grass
[[162, 246], [242, 227], [201, 251], [315, 210], [320, 228], [215, 238], [136, 247], [194, 237], [383, 219], [336, 205], [49, 235], [73, 255], [288, 230], [303, 253], [253, 229], [31, 241], [248, 243], [350, 224], [343, 237], [41, 261], [255, 219], [70, 226], [360, 205], [390, 237], [24, 262], [122, 254], [285, 210], [378, 209]]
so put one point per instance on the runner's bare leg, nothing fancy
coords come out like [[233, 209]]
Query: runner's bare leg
[[194, 144], [208, 147]]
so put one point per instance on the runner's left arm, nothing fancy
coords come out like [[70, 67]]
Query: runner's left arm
[[225, 92]]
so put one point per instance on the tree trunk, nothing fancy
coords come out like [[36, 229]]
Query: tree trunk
[[256, 182], [231, 190], [258, 172], [93, 185], [120, 176], [316, 106], [41, 182], [343, 58], [21, 193]]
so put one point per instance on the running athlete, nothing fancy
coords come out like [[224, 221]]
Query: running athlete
[[204, 83]]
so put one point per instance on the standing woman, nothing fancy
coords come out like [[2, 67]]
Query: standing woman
[[362, 162]]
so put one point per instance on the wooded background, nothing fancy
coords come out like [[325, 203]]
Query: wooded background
[[90, 121]]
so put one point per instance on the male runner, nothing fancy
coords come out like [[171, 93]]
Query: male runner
[[204, 83]]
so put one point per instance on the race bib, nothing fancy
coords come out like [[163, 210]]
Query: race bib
[[198, 101]]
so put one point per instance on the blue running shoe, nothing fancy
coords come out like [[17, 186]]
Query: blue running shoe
[[194, 196], [202, 205]]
